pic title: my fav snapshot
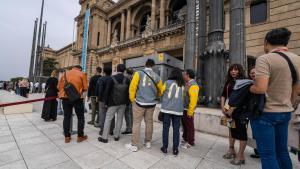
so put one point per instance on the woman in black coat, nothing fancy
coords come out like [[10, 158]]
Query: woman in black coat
[[50, 106]]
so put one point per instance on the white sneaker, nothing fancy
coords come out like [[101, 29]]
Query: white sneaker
[[131, 147], [186, 146], [148, 145]]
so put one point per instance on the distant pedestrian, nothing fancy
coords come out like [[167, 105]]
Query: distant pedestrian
[[277, 76], [49, 111], [144, 89], [5, 86], [172, 109], [17, 86], [77, 80], [115, 98], [43, 87], [92, 96], [36, 87], [128, 110], [24, 87], [31, 87], [191, 94]]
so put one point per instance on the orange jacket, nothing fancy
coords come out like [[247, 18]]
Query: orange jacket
[[76, 78]]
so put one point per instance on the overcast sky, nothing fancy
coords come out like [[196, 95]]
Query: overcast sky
[[16, 29]]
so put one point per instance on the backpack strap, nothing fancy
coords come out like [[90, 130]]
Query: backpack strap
[[291, 66]]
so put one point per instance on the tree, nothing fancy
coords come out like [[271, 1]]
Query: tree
[[49, 65]]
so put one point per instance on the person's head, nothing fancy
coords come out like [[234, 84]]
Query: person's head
[[78, 67], [177, 76], [251, 73], [53, 73], [98, 70], [276, 38], [188, 74], [235, 71], [107, 71], [121, 68], [150, 63], [129, 71]]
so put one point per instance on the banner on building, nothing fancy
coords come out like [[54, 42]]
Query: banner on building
[[85, 39]]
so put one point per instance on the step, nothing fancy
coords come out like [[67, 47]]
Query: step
[[10, 97]]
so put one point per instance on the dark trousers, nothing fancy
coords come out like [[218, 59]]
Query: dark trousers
[[188, 129], [128, 117], [68, 110], [167, 118], [271, 134]]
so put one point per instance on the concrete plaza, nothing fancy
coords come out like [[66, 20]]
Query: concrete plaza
[[28, 142]]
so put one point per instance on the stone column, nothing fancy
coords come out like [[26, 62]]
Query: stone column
[[162, 17], [153, 14], [214, 59], [237, 47], [190, 41], [122, 26], [108, 31], [202, 39], [128, 25]]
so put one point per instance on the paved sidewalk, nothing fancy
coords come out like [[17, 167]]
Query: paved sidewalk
[[27, 142]]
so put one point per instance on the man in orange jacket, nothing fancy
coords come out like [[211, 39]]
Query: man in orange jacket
[[79, 80]]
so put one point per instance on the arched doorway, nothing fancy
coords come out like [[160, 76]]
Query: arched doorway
[[177, 11], [143, 21], [139, 19]]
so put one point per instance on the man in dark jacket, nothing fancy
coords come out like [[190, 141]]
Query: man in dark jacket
[[116, 97], [128, 110], [101, 86], [92, 95]]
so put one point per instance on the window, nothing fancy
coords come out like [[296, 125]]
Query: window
[[98, 38], [258, 11]]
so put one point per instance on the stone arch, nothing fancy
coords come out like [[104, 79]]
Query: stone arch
[[116, 25], [138, 18], [176, 10]]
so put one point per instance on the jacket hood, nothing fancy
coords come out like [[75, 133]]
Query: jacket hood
[[242, 83]]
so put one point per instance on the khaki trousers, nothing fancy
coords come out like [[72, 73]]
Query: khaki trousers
[[140, 113]]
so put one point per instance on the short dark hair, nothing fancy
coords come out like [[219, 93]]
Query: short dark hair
[[150, 63], [107, 71], [78, 67], [121, 68], [129, 71], [190, 73], [99, 69], [279, 36]]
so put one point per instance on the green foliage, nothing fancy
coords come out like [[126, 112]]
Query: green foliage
[[49, 65], [16, 79]]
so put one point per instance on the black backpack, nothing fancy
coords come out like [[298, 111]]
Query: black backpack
[[70, 90], [120, 92]]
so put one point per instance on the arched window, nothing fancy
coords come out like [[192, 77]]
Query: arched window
[[143, 21], [258, 11]]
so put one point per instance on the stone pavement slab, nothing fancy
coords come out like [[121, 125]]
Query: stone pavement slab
[[28, 142]]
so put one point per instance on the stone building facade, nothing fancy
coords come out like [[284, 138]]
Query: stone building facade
[[135, 28]]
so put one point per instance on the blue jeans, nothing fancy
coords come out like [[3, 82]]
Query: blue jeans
[[176, 126], [270, 131]]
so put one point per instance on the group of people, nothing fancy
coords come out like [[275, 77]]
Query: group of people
[[270, 90], [269, 95]]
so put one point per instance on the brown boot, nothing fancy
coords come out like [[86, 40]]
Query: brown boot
[[67, 139], [82, 138]]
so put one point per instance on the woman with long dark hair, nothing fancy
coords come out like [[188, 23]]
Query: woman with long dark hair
[[50, 106], [172, 108], [239, 132]]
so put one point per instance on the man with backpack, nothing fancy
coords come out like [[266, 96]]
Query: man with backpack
[[115, 98], [71, 87]]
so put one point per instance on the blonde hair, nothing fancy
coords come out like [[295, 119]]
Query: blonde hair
[[53, 73]]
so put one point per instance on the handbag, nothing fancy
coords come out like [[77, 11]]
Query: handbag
[[160, 115], [70, 90]]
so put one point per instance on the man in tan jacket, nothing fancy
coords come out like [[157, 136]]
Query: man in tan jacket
[[79, 80]]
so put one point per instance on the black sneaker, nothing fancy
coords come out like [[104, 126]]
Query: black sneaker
[[102, 140], [164, 150], [90, 122], [175, 152], [127, 132], [117, 139]]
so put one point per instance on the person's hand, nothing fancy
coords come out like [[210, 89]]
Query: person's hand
[[229, 111]]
